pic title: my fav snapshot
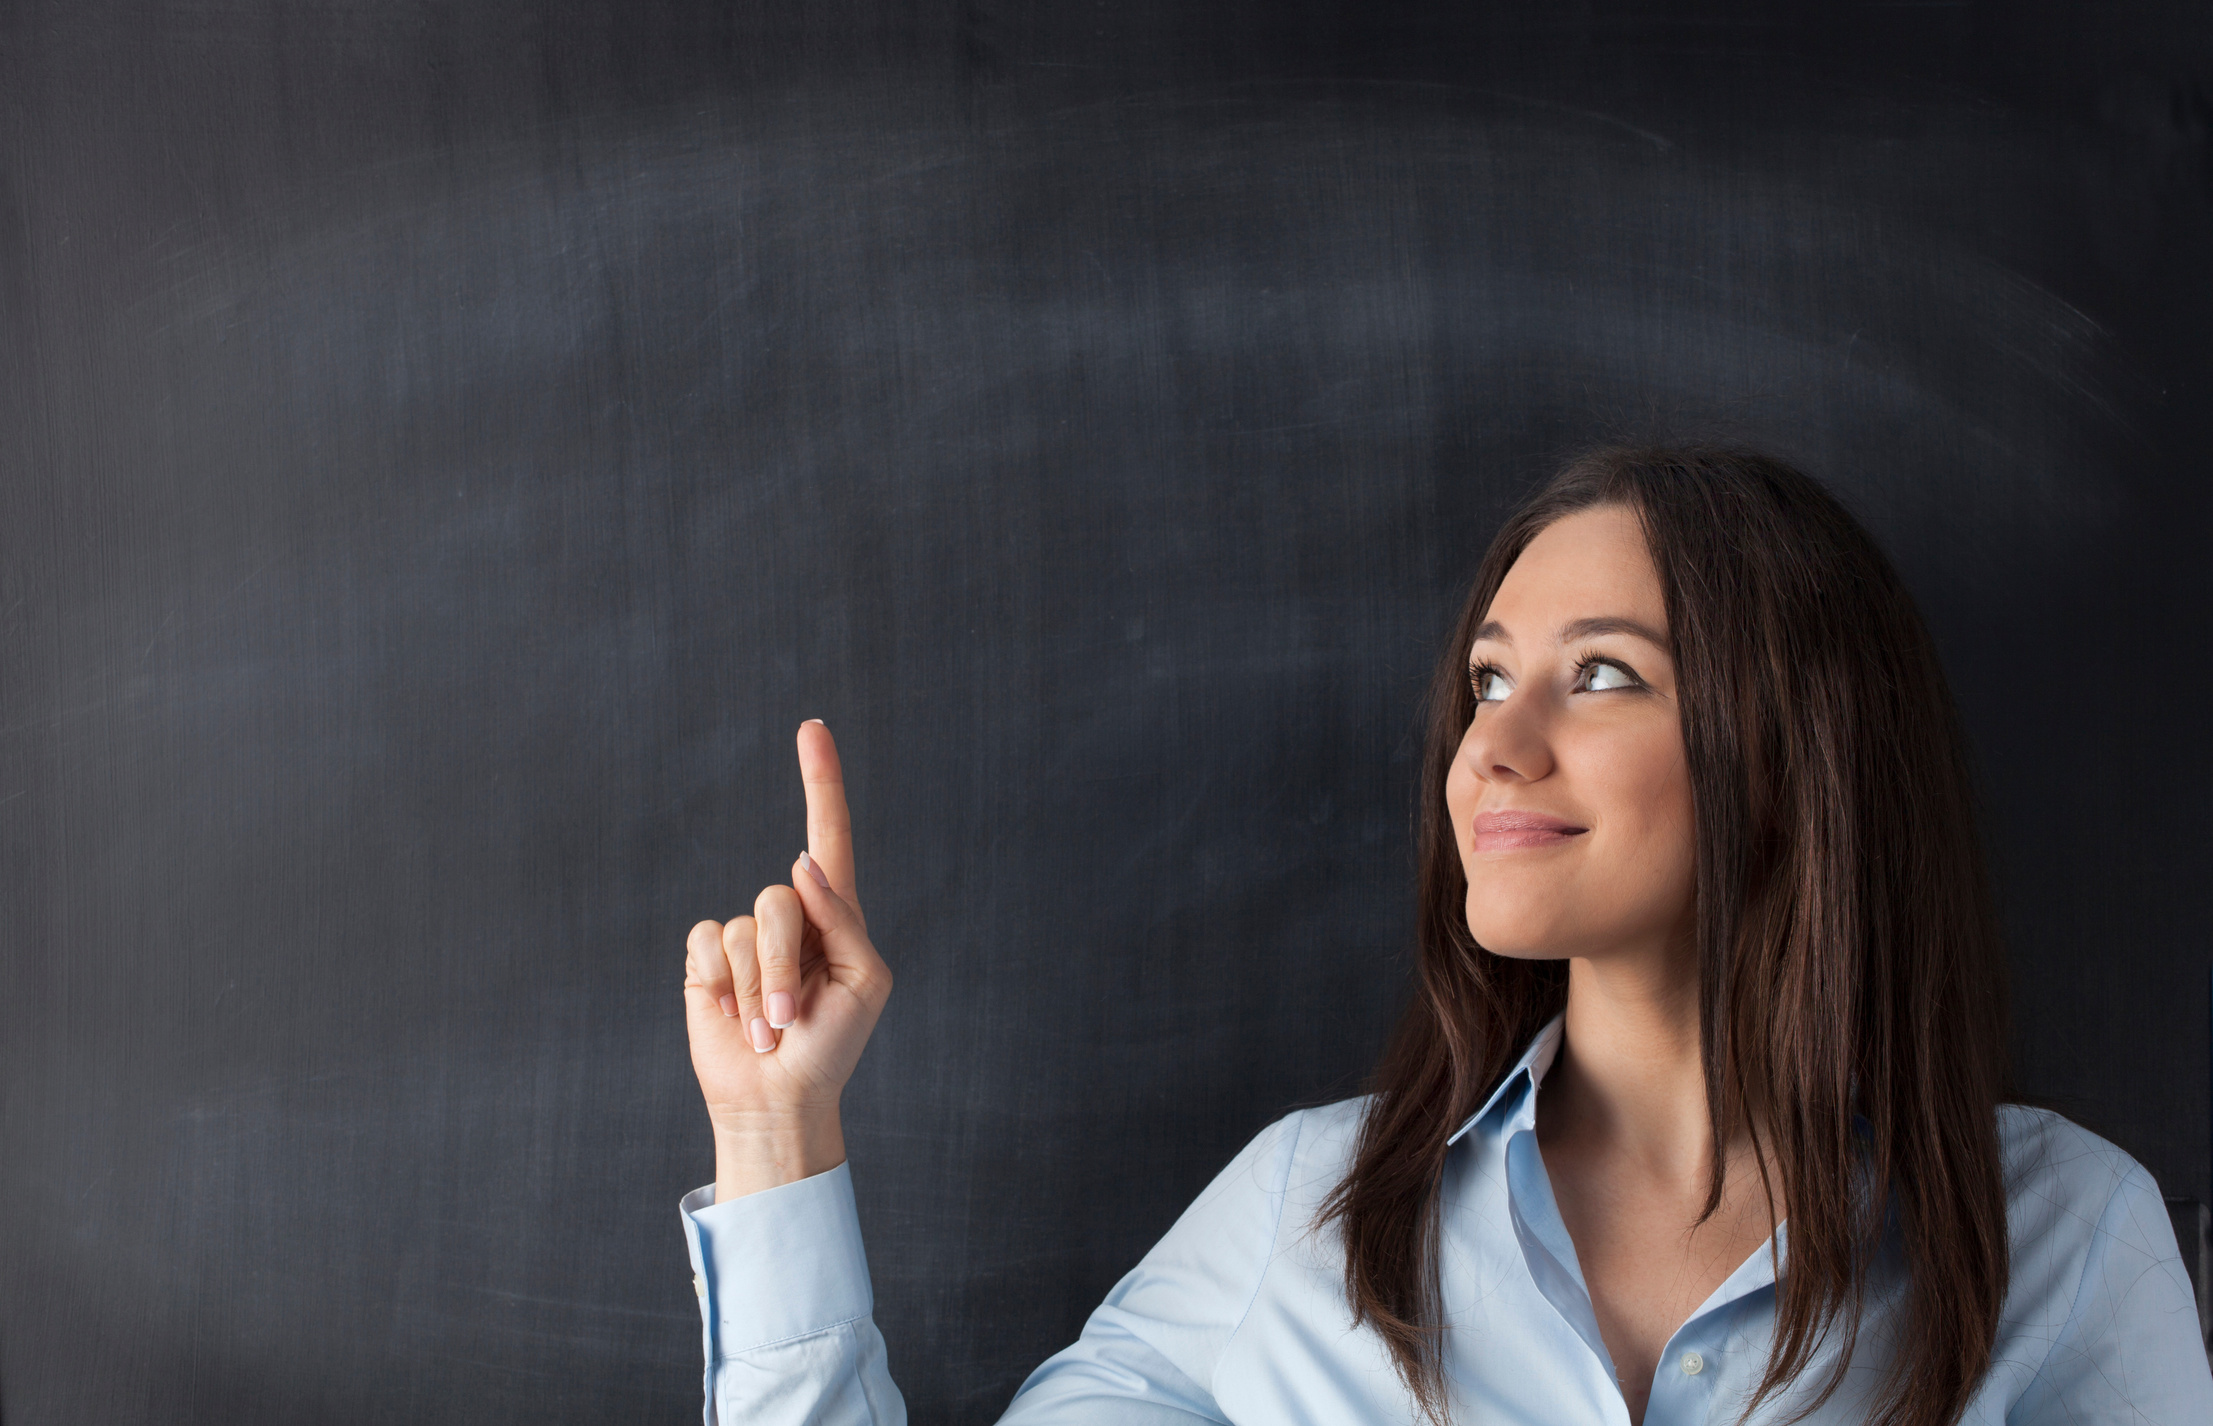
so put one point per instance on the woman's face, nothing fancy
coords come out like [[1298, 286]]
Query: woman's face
[[1569, 796]]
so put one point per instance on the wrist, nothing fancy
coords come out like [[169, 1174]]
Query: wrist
[[755, 1153]]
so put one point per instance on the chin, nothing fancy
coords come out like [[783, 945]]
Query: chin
[[1523, 934]]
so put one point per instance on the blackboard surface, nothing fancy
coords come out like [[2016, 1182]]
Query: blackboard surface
[[447, 449]]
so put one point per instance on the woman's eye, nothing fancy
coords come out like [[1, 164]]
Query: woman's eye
[[1598, 677], [1491, 685]]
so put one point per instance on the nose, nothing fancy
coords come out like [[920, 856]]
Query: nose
[[1507, 742]]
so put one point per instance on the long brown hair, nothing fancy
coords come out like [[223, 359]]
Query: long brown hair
[[1848, 955]]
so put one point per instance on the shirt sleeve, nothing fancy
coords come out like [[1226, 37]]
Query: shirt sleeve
[[785, 1308], [789, 1337], [2130, 1350], [1148, 1353]]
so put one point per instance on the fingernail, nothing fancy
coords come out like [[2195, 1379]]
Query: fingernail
[[782, 1009], [764, 1039], [818, 722], [814, 871], [730, 1006]]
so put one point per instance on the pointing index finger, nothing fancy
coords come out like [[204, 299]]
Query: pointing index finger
[[829, 827]]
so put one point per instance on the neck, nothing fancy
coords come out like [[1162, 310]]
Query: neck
[[1629, 1073]]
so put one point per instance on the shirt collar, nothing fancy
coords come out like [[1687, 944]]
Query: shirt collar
[[1527, 1074]]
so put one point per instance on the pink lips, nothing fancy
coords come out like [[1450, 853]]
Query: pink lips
[[1504, 831]]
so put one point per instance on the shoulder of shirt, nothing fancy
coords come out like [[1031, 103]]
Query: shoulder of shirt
[[2058, 1175], [1324, 1130], [1313, 1147], [1340, 1115], [2072, 1199], [1296, 1159]]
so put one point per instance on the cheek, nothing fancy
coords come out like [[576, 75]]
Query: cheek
[[1640, 789]]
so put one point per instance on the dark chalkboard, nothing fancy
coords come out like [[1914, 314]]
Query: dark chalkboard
[[449, 447]]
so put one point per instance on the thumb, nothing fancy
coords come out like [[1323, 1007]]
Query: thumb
[[845, 945]]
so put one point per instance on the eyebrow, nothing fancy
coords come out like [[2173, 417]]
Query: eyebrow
[[1581, 629]]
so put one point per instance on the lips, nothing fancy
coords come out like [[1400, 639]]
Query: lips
[[1505, 831]]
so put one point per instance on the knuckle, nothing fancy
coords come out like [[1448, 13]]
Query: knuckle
[[703, 934], [776, 902], [873, 987]]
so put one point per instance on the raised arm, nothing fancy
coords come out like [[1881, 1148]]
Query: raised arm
[[780, 1005]]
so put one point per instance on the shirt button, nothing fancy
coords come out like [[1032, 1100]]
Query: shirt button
[[699, 1285], [1693, 1364]]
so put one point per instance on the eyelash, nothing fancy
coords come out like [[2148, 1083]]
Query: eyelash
[[1482, 672]]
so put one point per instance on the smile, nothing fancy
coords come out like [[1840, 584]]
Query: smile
[[1506, 831]]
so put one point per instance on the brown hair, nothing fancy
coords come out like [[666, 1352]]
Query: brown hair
[[1848, 955]]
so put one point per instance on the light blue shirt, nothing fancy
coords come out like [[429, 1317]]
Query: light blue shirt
[[1239, 1313]]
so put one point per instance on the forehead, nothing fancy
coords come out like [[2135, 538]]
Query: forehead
[[1589, 565]]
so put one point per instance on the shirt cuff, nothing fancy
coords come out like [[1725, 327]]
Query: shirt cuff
[[785, 1262]]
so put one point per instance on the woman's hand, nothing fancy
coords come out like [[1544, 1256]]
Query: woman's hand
[[780, 1003]]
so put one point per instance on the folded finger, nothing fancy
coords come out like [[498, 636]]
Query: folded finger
[[783, 922], [706, 967], [741, 945]]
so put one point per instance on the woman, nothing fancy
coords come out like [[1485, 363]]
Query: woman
[[1695, 1115]]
